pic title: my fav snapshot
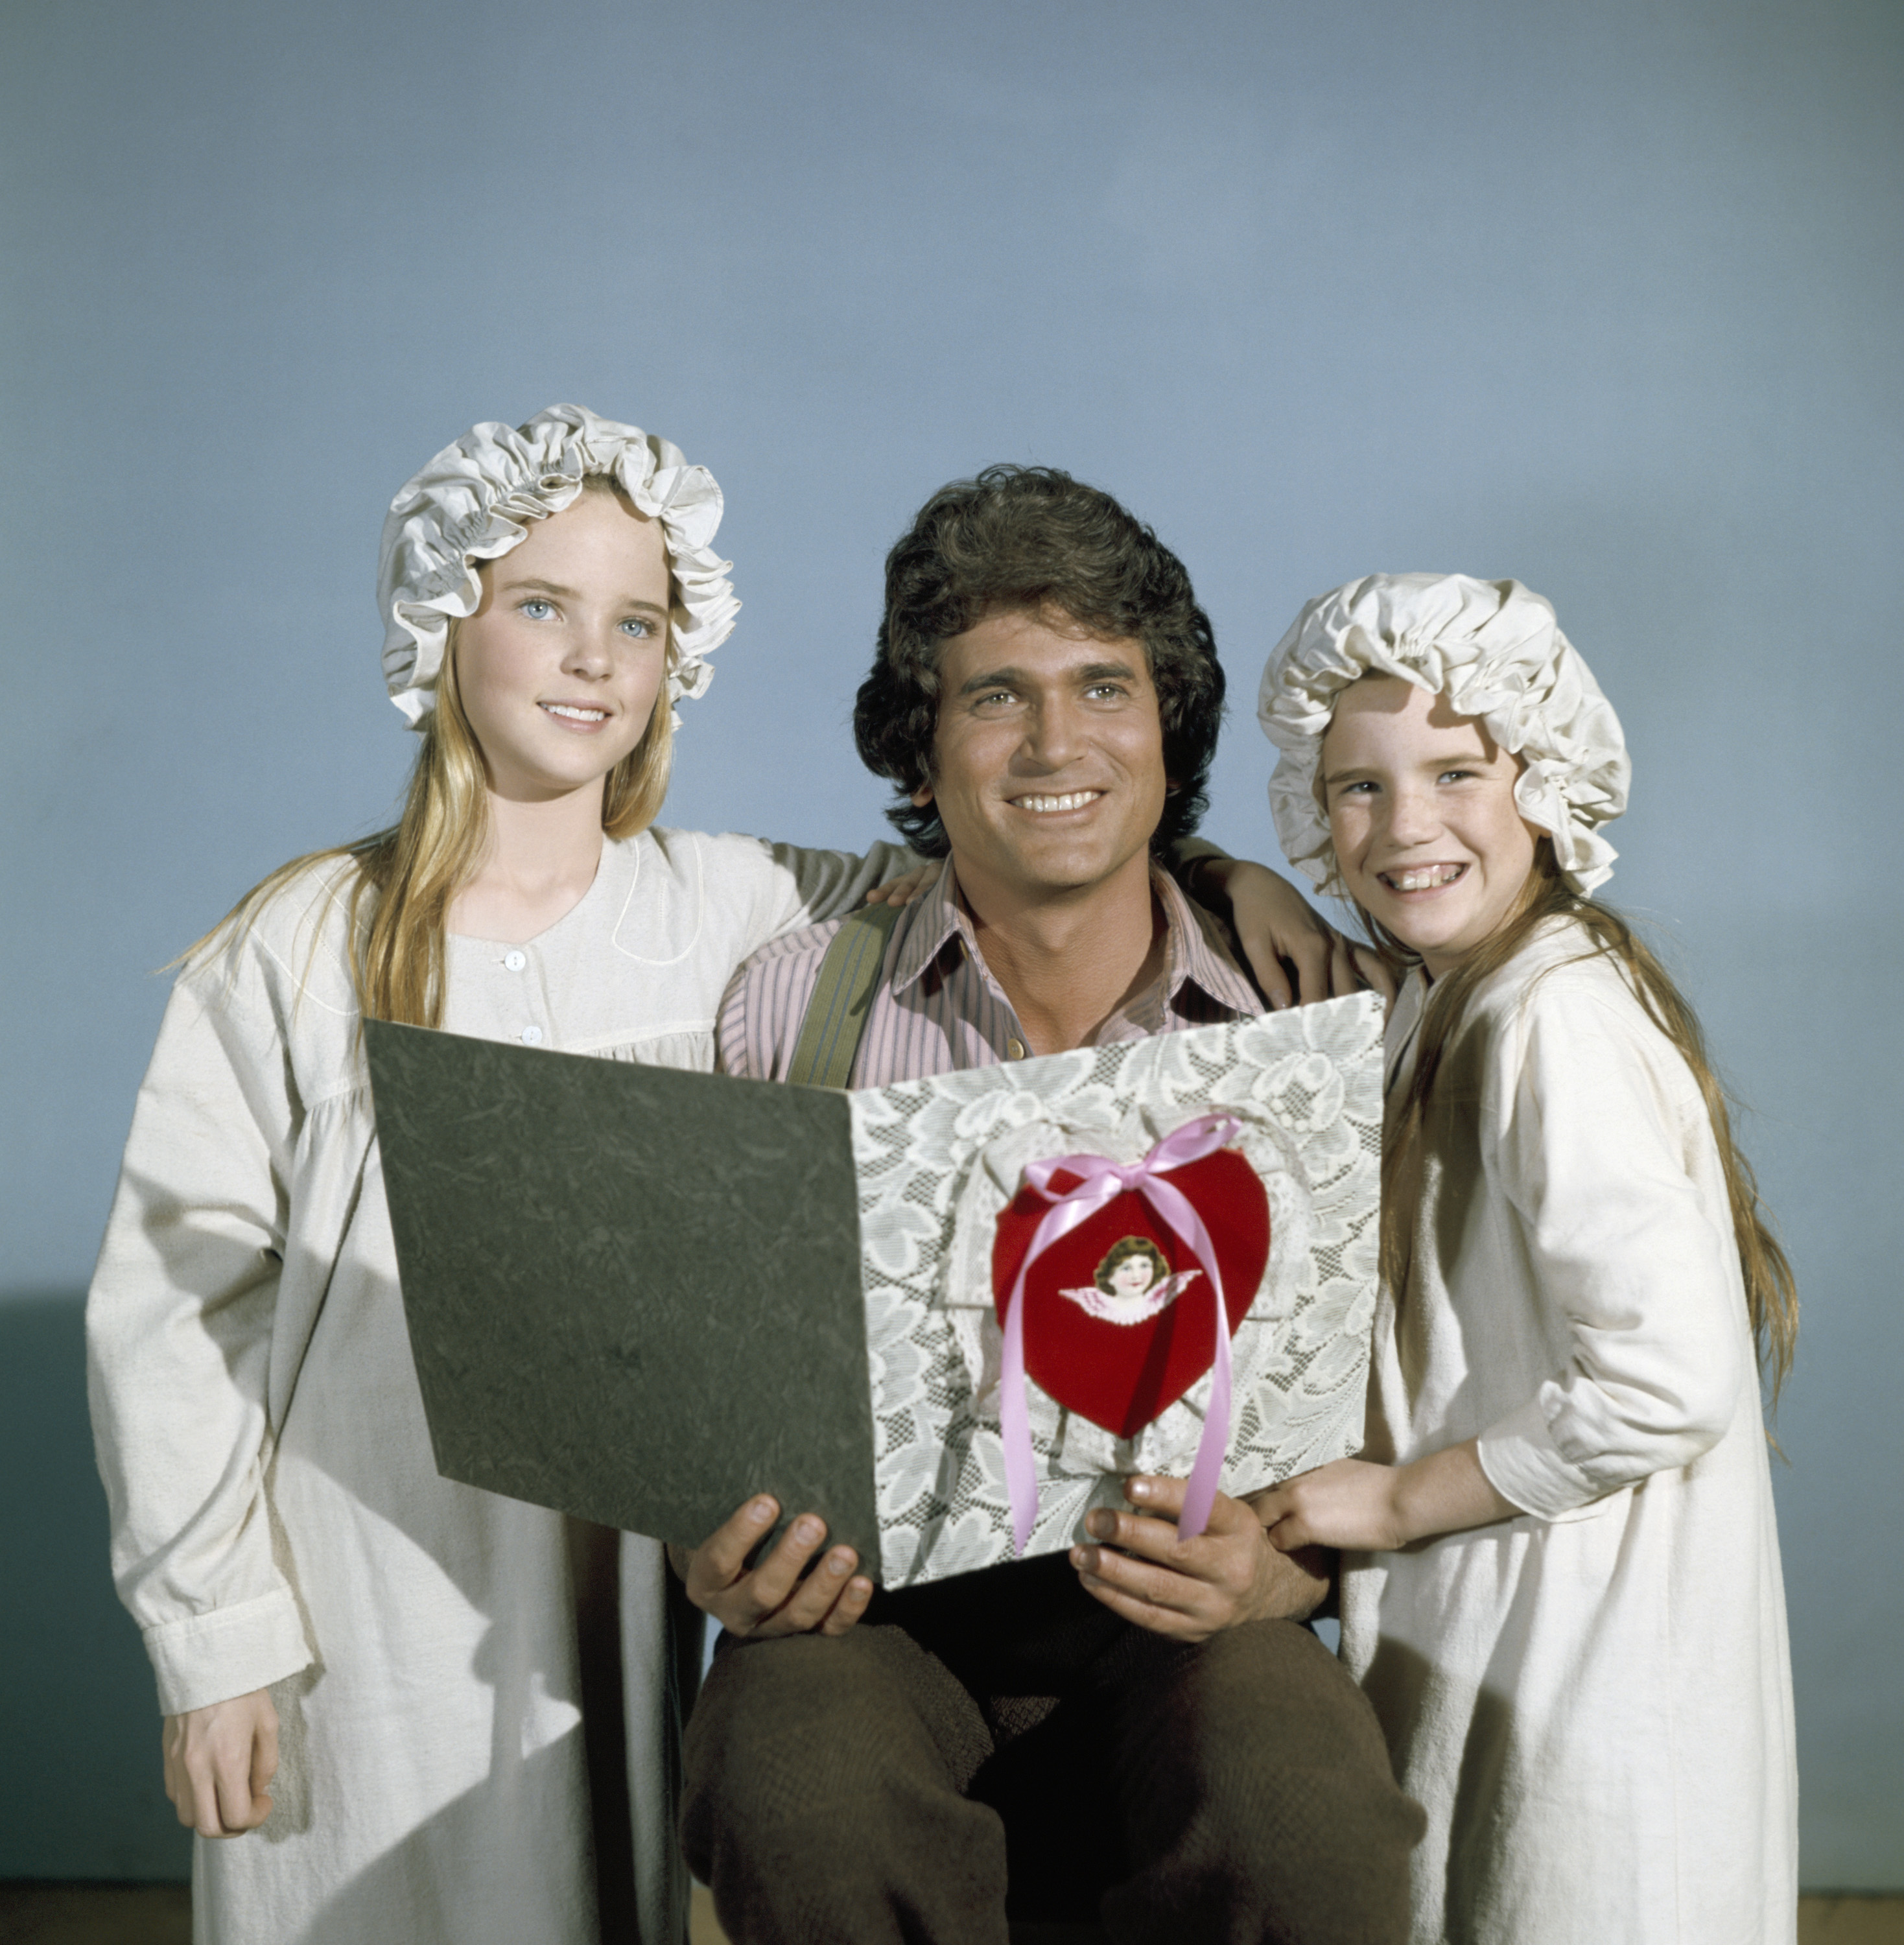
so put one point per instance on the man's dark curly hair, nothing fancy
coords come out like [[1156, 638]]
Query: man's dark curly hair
[[1020, 537]]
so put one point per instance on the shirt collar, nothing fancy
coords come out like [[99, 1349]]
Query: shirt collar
[[1192, 949], [930, 924]]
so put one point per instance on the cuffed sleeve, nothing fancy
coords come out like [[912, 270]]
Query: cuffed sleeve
[[1593, 1109], [179, 1324], [227, 1651]]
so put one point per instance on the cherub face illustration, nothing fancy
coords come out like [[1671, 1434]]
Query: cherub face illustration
[[1130, 1268], [1133, 1282], [1133, 1276]]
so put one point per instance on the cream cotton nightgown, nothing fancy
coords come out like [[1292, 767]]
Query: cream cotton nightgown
[[1593, 1702], [278, 1519]]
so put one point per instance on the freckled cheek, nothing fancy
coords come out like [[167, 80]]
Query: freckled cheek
[[483, 696], [1350, 836], [493, 669], [644, 681]]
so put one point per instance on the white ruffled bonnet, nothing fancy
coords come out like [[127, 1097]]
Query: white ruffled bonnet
[[1495, 650], [470, 503]]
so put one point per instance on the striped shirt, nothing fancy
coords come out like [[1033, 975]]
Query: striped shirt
[[938, 1008]]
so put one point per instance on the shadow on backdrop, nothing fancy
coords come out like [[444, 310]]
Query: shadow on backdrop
[[80, 1792]]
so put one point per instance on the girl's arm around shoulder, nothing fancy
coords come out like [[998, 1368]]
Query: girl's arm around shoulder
[[1596, 1138], [758, 890], [1296, 955]]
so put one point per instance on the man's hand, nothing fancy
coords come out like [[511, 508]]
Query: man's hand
[[1190, 1589], [772, 1599], [218, 1763], [1282, 935]]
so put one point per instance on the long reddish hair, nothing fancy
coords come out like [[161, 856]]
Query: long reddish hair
[[1771, 1292]]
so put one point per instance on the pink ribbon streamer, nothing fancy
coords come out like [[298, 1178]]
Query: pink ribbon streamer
[[1102, 1181]]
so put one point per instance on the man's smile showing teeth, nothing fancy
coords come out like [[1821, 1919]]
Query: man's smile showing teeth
[[573, 712], [1422, 878], [1072, 800]]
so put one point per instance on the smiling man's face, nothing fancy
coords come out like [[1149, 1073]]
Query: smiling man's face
[[1048, 762]]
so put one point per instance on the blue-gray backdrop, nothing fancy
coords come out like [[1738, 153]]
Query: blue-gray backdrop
[[1606, 298]]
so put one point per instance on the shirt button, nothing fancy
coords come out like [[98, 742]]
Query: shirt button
[[530, 1036], [1015, 1048], [515, 961]]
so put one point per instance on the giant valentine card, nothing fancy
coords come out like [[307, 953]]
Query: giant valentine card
[[949, 1315]]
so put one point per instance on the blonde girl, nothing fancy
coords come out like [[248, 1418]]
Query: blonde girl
[[410, 1655], [1561, 1588], [379, 1674]]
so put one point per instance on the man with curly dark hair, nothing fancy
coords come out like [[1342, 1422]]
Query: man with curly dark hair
[[1030, 540], [1140, 1728]]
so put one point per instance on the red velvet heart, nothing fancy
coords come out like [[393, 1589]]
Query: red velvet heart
[[1122, 1375]]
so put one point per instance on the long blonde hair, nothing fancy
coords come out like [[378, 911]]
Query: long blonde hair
[[1771, 1293], [407, 876]]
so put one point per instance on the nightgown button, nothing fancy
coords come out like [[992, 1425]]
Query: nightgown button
[[531, 1035], [515, 961], [1015, 1047]]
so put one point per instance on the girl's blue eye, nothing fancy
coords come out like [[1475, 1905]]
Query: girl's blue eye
[[537, 609], [636, 627]]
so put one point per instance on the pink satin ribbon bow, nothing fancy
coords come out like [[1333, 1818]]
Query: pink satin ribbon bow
[[1102, 1181]]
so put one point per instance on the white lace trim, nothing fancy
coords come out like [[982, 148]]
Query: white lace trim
[[939, 1159]]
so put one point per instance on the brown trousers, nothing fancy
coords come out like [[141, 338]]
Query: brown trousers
[[989, 1744]]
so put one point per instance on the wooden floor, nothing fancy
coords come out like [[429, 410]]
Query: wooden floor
[[1851, 1921], [60, 1914]]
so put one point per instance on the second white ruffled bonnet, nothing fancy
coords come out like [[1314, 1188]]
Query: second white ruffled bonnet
[[1494, 649], [470, 503]]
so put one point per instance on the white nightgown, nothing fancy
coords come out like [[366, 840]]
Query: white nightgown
[[1593, 1702], [278, 1519]]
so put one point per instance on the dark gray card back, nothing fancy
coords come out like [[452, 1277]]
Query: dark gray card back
[[633, 1293]]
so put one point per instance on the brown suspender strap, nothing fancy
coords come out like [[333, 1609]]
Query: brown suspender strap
[[842, 999]]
